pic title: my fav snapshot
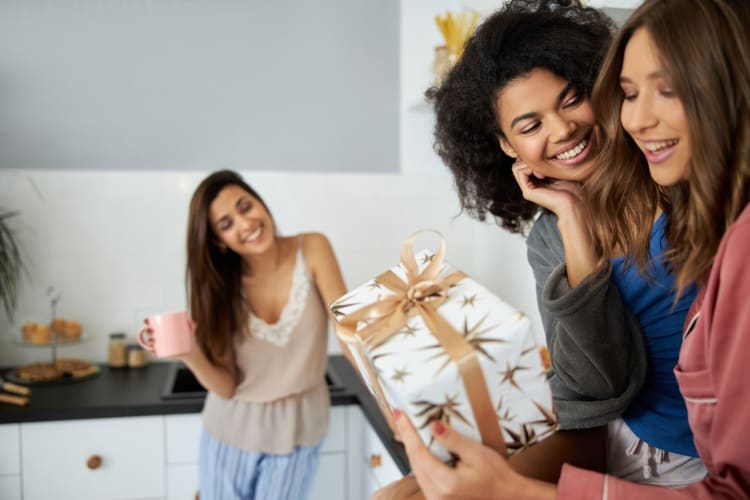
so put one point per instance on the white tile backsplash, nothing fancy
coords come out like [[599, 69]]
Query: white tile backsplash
[[112, 243]]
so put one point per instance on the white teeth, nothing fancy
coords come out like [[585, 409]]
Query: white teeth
[[656, 146], [573, 152], [254, 235]]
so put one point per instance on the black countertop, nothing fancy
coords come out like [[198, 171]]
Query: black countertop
[[138, 392]]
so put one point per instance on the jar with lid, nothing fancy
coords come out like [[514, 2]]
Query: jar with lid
[[116, 353], [137, 356]]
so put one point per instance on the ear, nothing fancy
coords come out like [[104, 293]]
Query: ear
[[506, 147]]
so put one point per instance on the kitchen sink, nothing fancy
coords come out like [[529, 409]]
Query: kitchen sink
[[182, 384]]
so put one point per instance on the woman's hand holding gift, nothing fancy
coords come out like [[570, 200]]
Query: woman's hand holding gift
[[480, 472]]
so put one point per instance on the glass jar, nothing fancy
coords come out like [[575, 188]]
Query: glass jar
[[116, 354], [137, 356]]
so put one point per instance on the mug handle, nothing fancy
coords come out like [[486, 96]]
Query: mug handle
[[146, 343]]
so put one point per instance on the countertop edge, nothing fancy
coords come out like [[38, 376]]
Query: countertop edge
[[46, 406]]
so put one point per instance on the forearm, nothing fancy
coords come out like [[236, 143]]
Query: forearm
[[580, 259], [585, 448], [217, 378]]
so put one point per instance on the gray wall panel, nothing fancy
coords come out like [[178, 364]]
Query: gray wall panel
[[199, 84]]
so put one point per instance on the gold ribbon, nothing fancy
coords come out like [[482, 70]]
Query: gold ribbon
[[422, 293]]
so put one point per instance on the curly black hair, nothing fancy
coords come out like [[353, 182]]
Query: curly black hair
[[561, 36]]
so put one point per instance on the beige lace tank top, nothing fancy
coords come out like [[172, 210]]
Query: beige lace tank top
[[281, 400]]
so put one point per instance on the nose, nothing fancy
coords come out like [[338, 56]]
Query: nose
[[561, 128], [637, 115]]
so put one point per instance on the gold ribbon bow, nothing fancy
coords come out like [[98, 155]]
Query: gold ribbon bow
[[422, 293]]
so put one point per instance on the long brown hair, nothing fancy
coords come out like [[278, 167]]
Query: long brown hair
[[703, 46], [213, 276]]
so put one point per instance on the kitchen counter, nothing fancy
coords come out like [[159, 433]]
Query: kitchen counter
[[138, 392]]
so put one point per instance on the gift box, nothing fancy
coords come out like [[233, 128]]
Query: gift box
[[431, 341]]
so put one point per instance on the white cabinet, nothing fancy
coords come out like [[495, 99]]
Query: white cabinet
[[156, 458], [10, 462], [183, 444], [111, 458], [376, 467]]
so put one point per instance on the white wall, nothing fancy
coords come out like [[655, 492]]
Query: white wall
[[113, 242]]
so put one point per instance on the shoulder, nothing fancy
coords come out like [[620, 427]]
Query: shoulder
[[315, 247], [732, 252], [313, 243]]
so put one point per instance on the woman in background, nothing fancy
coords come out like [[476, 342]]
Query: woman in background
[[258, 301], [674, 102]]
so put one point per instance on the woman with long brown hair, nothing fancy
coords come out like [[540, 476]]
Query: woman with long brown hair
[[258, 301], [674, 101]]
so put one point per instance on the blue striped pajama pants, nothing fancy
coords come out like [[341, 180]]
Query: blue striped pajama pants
[[229, 473]]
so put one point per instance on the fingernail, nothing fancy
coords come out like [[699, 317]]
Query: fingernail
[[396, 414], [438, 427]]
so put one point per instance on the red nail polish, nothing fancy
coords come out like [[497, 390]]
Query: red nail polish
[[438, 428], [396, 414]]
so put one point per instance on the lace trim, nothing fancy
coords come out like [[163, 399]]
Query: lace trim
[[280, 332]]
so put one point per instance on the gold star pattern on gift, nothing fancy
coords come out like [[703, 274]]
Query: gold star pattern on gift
[[525, 437], [374, 285], [469, 301], [509, 373], [408, 330], [337, 309], [427, 258], [475, 336], [400, 375], [549, 420], [503, 414], [433, 412]]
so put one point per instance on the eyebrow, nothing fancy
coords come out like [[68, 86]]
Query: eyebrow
[[659, 73], [560, 98]]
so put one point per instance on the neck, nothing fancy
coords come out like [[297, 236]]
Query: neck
[[265, 263]]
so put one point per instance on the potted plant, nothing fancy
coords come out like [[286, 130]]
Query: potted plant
[[11, 263]]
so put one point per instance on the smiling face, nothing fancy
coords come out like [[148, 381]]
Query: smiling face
[[652, 113], [241, 222], [548, 124]]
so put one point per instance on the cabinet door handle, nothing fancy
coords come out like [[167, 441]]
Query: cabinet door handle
[[375, 460], [94, 462]]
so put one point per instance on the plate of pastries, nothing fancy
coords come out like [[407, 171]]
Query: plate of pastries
[[41, 334], [62, 370]]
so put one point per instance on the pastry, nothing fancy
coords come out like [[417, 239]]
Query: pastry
[[71, 330], [34, 333]]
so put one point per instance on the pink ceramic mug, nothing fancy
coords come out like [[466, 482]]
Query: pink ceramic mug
[[169, 334]]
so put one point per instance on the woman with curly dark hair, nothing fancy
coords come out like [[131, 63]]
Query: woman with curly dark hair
[[516, 128]]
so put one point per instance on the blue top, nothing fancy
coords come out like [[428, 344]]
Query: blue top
[[658, 415]]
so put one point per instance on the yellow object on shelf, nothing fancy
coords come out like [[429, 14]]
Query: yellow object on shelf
[[456, 28]]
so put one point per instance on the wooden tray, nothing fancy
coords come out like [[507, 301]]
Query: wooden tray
[[64, 371]]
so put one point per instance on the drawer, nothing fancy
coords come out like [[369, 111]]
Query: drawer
[[10, 451], [131, 452], [377, 459], [336, 438], [330, 481], [183, 438], [182, 481], [10, 487]]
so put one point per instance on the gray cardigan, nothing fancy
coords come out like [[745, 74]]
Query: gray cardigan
[[595, 343]]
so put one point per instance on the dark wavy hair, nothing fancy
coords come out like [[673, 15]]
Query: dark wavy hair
[[213, 277], [560, 36], [707, 56]]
